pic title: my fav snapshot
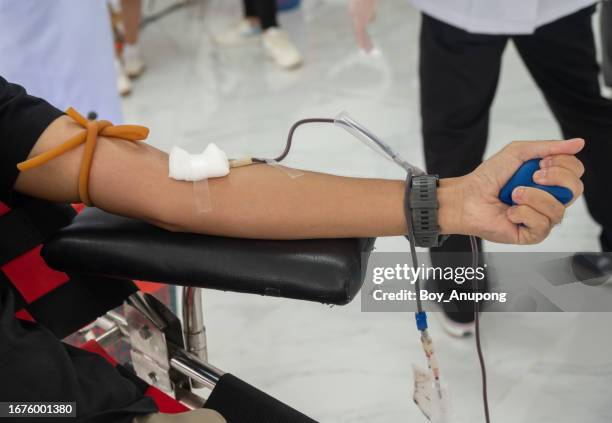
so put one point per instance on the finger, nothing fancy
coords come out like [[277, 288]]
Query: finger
[[533, 226], [527, 150], [560, 176], [565, 161], [540, 201]]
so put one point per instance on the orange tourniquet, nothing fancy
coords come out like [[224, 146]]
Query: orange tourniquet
[[89, 136]]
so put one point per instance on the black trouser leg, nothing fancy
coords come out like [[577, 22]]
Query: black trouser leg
[[459, 72], [606, 41], [561, 58], [265, 10], [249, 8]]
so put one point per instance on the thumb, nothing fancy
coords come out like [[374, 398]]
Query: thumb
[[502, 165], [527, 150]]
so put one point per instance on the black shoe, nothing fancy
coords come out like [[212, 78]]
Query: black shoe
[[592, 268], [457, 317]]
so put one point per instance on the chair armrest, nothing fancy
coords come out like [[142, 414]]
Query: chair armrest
[[322, 270]]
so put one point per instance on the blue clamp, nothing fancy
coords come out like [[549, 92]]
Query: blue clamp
[[524, 177], [421, 320]]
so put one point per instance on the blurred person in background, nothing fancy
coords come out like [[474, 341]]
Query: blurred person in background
[[606, 42], [62, 51], [260, 22], [461, 48]]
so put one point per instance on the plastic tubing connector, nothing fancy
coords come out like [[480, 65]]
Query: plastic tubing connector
[[421, 320]]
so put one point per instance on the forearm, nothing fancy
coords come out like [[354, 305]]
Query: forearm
[[260, 201], [257, 201]]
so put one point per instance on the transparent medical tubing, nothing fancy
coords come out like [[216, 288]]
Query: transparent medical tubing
[[372, 141]]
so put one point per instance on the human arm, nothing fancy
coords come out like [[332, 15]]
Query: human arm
[[259, 201]]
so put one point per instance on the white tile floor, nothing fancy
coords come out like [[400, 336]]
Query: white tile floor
[[338, 364]]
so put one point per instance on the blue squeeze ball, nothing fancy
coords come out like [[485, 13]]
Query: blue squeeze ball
[[524, 177]]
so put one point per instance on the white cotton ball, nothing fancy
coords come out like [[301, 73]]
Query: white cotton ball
[[211, 163], [179, 164]]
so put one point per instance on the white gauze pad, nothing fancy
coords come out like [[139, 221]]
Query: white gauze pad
[[212, 163]]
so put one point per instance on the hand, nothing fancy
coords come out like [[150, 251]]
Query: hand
[[471, 205]]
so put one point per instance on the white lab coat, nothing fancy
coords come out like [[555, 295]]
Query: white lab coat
[[499, 16], [62, 51]]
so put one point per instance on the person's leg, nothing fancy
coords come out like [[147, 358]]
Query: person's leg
[[459, 73], [246, 31], [266, 12], [276, 42], [131, 14], [260, 15], [261, 12], [249, 8], [561, 57], [251, 13], [606, 41]]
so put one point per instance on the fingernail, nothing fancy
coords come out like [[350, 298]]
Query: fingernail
[[547, 162], [540, 175], [518, 192]]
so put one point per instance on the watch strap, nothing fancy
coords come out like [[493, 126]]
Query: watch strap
[[423, 207]]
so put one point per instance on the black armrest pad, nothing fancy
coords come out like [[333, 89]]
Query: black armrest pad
[[326, 270], [240, 402]]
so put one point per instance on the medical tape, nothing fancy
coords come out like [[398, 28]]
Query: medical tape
[[292, 173], [201, 196], [201, 189], [198, 169], [89, 136]]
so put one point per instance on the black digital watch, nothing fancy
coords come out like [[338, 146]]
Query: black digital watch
[[422, 203]]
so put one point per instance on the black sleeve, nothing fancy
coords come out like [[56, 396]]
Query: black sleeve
[[22, 119]]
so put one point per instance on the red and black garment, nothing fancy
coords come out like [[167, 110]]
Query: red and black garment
[[61, 302]]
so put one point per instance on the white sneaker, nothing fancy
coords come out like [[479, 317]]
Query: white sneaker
[[244, 32], [132, 61], [279, 48], [124, 86], [606, 91]]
